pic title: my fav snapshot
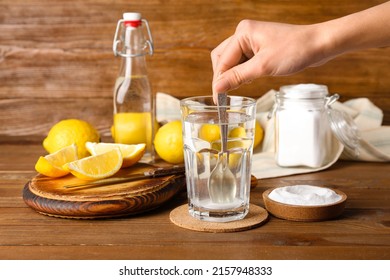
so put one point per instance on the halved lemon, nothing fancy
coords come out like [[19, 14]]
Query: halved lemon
[[52, 165], [131, 153], [97, 167]]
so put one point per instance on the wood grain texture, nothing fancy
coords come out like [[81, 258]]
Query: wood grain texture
[[104, 202], [56, 57], [361, 232]]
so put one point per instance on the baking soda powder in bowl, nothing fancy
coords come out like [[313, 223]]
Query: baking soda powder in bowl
[[304, 195], [304, 202]]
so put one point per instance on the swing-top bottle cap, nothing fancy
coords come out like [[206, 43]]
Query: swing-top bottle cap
[[132, 19]]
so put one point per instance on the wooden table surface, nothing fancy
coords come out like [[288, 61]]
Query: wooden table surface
[[362, 232]]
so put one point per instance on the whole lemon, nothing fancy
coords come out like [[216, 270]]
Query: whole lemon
[[69, 131], [168, 142], [133, 128], [237, 132], [210, 132], [259, 134]]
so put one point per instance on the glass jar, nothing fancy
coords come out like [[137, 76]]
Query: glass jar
[[303, 134]]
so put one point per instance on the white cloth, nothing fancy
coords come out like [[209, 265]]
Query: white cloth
[[374, 142]]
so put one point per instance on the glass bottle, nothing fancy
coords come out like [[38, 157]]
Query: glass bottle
[[134, 108]]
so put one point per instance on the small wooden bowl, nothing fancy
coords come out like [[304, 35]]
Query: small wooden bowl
[[305, 213]]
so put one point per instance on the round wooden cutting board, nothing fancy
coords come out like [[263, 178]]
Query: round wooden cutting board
[[54, 197]]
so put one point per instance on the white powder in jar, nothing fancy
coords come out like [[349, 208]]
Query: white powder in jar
[[303, 136], [304, 195]]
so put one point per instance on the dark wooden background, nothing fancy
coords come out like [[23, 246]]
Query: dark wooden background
[[56, 57]]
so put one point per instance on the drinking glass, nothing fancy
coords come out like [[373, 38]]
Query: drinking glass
[[218, 184]]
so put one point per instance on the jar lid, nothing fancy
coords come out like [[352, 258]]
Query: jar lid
[[303, 91], [345, 130]]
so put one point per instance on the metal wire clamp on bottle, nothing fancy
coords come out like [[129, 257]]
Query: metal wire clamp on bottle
[[118, 41]]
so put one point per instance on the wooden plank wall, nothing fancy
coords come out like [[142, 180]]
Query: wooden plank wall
[[56, 57]]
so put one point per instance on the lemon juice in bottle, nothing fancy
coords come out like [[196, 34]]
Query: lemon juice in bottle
[[134, 109]]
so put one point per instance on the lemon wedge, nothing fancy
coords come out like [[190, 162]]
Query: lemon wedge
[[97, 167], [52, 165], [131, 153]]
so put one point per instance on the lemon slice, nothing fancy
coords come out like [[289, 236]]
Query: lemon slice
[[52, 164], [97, 167], [131, 153]]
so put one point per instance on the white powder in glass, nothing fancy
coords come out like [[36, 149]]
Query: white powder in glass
[[304, 195]]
